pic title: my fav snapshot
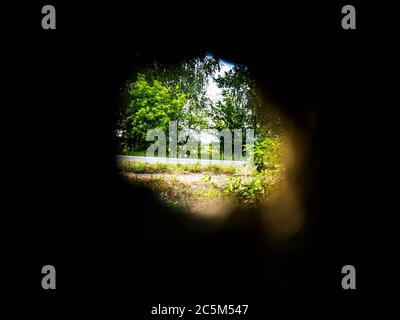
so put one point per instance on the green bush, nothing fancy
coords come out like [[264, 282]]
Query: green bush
[[267, 154], [267, 160]]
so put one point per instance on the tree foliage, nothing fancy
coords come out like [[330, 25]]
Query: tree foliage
[[191, 76], [238, 106], [151, 105]]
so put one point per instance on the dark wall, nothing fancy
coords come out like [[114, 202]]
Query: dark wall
[[116, 249]]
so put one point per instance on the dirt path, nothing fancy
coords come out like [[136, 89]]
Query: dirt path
[[187, 191]]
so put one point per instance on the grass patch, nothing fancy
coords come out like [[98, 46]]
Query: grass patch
[[144, 167], [153, 168], [174, 193]]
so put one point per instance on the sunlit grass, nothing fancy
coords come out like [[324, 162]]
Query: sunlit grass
[[160, 168]]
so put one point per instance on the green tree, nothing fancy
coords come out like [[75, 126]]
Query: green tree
[[237, 110], [191, 76], [242, 105], [150, 105]]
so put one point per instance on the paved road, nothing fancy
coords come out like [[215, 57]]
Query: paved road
[[180, 160]]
